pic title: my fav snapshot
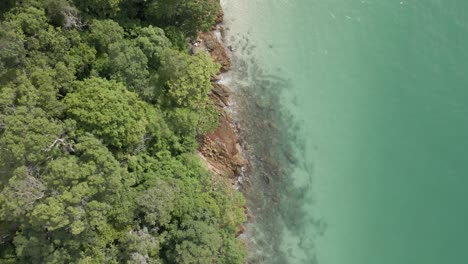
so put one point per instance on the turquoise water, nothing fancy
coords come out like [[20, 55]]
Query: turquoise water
[[371, 99]]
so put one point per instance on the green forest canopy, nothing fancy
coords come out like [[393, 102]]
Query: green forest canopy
[[100, 110]]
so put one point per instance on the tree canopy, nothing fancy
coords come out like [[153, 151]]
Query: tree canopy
[[100, 111]]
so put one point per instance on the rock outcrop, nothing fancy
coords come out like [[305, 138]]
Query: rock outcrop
[[220, 149]]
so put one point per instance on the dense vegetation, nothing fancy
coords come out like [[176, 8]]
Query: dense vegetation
[[100, 109]]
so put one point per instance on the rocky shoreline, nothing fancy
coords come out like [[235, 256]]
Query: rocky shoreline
[[221, 150], [256, 145]]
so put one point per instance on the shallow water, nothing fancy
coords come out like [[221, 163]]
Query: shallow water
[[355, 116]]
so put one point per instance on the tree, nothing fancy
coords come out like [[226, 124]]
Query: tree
[[152, 41], [21, 193], [6, 5], [129, 65], [12, 47], [158, 202], [110, 112], [189, 15], [26, 136], [187, 79], [75, 196], [99, 8], [141, 246], [186, 82], [102, 33], [30, 20], [194, 242]]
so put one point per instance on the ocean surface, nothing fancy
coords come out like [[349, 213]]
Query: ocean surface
[[355, 117]]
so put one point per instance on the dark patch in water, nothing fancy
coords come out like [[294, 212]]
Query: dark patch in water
[[270, 134]]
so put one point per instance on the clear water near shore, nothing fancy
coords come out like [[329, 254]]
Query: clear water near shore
[[356, 119]]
